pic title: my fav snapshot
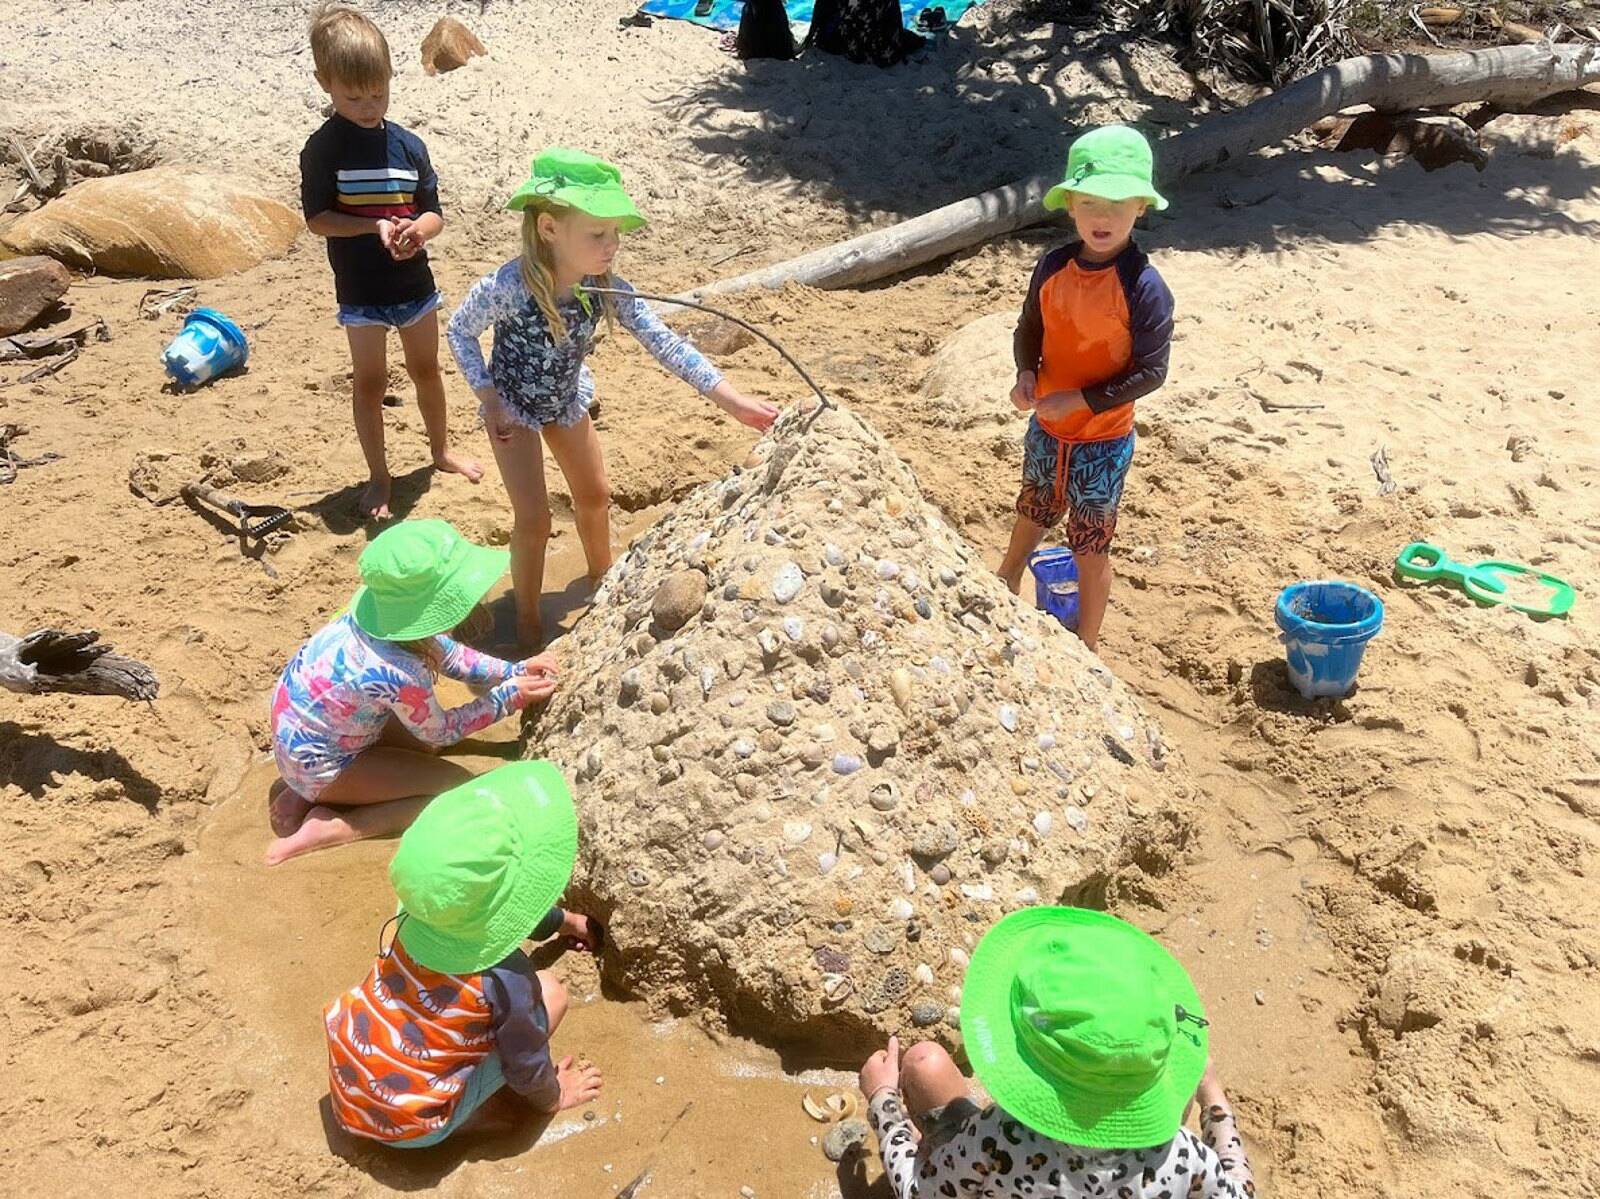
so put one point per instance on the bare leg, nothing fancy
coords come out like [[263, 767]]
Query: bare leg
[[384, 789], [369, 379], [577, 453], [1025, 538], [556, 998], [929, 1079], [1094, 590], [521, 460], [421, 345]]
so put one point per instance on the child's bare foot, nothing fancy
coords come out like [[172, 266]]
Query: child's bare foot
[[321, 828], [1014, 585], [375, 499], [458, 464], [286, 809]]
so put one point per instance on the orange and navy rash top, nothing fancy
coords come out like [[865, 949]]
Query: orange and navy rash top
[[402, 1045], [382, 172], [1101, 328]]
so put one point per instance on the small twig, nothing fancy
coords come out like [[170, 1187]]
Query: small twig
[[1416, 19], [49, 367], [26, 159], [730, 256]]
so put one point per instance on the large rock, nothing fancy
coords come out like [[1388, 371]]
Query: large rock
[[28, 286], [802, 808], [448, 45], [168, 222], [969, 381]]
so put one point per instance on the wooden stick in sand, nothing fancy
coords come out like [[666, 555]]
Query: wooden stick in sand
[[1506, 75]]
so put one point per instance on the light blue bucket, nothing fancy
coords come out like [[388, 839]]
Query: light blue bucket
[[209, 345], [1325, 629]]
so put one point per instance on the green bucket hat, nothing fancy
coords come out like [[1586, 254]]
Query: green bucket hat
[[481, 866], [1113, 162], [580, 181], [421, 577], [1084, 1028]]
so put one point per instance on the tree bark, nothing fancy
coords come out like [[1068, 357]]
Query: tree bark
[[1507, 75], [50, 660]]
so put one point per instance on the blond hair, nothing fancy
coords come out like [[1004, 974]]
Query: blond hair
[[347, 47], [539, 273]]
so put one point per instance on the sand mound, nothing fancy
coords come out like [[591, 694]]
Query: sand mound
[[167, 222], [971, 375], [819, 749]]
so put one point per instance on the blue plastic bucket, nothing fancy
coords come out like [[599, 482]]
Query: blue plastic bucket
[[1055, 584], [209, 345], [1326, 627]]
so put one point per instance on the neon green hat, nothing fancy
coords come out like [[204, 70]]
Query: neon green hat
[[580, 181], [422, 577], [1084, 1028], [1113, 162], [482, 865]]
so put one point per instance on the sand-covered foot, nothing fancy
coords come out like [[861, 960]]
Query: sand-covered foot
[[459, 464], [286, 810], [374, 502], [321, 828]]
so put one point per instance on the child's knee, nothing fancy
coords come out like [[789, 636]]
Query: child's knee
[[532, 528], [926, 1060], [369, 387], [425, 373], [555, 995], [594, 497]]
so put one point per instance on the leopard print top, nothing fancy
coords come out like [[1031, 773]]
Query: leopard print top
[[993, 1156]]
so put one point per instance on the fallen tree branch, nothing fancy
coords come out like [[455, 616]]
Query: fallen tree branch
[[50, 660], [1508, 76]]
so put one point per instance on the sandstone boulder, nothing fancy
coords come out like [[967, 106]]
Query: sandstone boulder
[[802, 807], [168, 222], [448, 45], [969, 380], [29, 286]]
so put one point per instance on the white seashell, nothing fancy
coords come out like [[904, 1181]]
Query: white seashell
[[854, 873], [698, 542], [832, 555], [1008, 718], [786, 584], [959, 958], [900, 688], [767, 642], [909, 580], [1047, 740], [846, 763], [713, 840], [955, 995], [1041, 824], [796, 831], [923, 974], [824, 732], [743, 748], [968, 798], [794, 628], [1027, 895], [939, 664], [908, 876], [870, 639], [708, 677], [1076, 817], [982, 892], [887, 569], [827, 861], [953, 1014], [901, 909]]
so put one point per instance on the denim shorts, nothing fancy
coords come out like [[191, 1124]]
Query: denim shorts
[[394, 316]]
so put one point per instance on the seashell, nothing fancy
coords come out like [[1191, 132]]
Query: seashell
[[826, 862], [968, 798], [708, 676], [794, 628], [786, 584], [829, 636], [836, 988], [907, 874], [796, 832], [1060, 771], [884, 796], [882, 939], [698, 541], [910, 580], [947, 576], [953, 1015], [846, 763], [901, 909], [854, 873], [982, 892], [959, 958], [738, 699], [871, 639], [900, 687], [743, 748], [887, 569], [768, 643], [824, 732], [713, 840], [1041, 824], [1076, 817], [955, 994], [925, 1015], [923, 974], [832, 555], [631, 684], [1047, 741], [940, 874], [660, 703], [1027, 896], [1008, 718], [1030, 763], [637, 877]]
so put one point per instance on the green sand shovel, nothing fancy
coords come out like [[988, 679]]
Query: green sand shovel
[[1483, 581]]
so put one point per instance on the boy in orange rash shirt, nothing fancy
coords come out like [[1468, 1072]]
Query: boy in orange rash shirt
[[1094, 336]]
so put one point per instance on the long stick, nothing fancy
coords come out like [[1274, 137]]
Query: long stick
[[1506, 75]]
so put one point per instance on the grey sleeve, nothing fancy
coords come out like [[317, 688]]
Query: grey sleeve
[[518, 1018]]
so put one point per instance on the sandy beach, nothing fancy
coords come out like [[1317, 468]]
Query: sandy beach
[[1389, 901]]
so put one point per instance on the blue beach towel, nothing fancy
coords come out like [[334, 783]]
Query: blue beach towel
[[724, 14]]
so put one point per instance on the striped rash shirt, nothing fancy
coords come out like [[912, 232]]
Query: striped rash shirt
[[375, 173]]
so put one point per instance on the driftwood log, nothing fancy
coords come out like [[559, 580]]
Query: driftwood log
[[1508, 76], [50, 660]]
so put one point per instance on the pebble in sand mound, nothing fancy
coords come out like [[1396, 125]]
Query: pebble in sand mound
[[818, 749], [166, 222]]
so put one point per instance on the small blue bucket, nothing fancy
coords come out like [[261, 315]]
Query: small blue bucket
[[1055, 584], [209, 345], [1326, 627]]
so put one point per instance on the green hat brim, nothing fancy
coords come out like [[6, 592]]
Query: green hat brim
[[537, 798], [1001, 1064], [444, 607], [607, 203], [1107, 187]]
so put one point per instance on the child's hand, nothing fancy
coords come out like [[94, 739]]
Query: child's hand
[[543, 665], [882, 1069], [757, 414], [583, 932], [579, 1084], [1059, 405], [406, 239], [1022, 394], [532, 689], [386, 230]]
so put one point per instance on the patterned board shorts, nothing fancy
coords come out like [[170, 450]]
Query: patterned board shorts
[[1081, 481], [393, 316]]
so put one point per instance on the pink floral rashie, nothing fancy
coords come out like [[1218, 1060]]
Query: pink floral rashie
[[336, 695]]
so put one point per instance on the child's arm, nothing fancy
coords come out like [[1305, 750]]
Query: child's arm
[[467, 665], [491, 297], [412, 233], [1150, 320], [1027, 342], [1221, 1134], [411, 697], [524, 1047], [680, 357]]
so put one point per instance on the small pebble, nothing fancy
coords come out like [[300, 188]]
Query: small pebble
[[1041, 824], [924, 608], [786, 584], [660, 703], [1047, 740], [796, 831], [845, 1139], [781, 712], [982, 892], [829, 637], [1076, 817], [794, 628], [901, 909], [826, 862], [887, 569], [882, 939], [845, 763], [900, 688], [927, 1013], [632, 683], [947, 576], [832, 555], [882, 738], [746, 1193], [1261, 998], [743, 748], [940, 874]]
